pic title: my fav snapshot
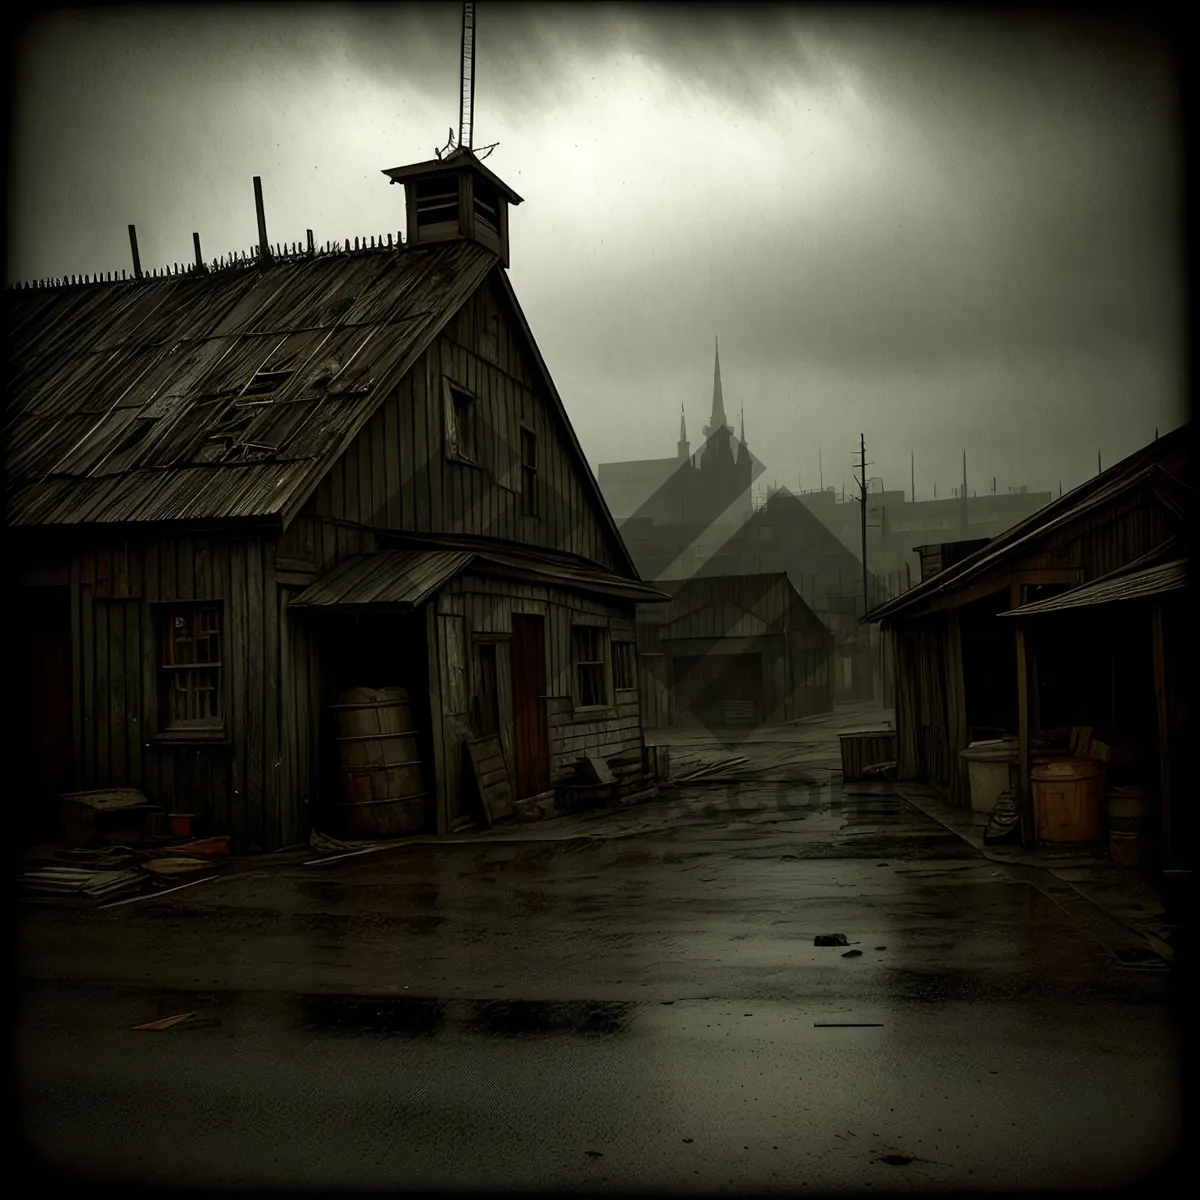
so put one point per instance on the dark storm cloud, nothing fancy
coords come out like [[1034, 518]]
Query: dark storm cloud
[[975, 214], [1054, 144], [535, 51]]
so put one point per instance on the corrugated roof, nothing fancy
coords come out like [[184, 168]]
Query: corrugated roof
[[1140, 468], [1131, 585], [220, 395], [405, 578]]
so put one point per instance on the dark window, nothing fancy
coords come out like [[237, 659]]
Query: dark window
[[437, 202], [460, 424], [487, 208], [189, 668], [591, 669], [624, 666], [487, 707], [529, 473]]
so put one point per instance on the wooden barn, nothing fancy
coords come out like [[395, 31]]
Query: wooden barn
[[244, 490], [733, 650], [1075, 619]]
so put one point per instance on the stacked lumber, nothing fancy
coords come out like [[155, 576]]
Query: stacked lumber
[[79, 883]]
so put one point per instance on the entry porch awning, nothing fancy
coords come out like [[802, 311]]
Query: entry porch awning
[[1131, 585], [403, 580], [395, 579]]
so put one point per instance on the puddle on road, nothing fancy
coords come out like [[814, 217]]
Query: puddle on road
[[417, 1016], [401, 1016], [521, 1018]]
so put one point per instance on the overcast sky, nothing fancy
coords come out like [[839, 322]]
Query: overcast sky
[[943, 231]]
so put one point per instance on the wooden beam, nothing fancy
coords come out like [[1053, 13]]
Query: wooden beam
[[437, 723], [1164, 735], [1025, 795]]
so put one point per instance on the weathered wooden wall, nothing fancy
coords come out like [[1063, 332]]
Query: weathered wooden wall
[[397, 474], [242, 782], [485, 606]]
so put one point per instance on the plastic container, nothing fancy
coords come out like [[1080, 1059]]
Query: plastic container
[[181, 824], [1066, 800], [990, 768]]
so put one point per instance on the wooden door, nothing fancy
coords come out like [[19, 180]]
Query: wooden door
[[45, 704], [531, 736]]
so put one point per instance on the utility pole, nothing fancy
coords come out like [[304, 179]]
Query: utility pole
[[820, 469], [1099, 468], [912, 471], [966, 517], [862, 499]]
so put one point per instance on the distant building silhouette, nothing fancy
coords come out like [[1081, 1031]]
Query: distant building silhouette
[[690, 489]]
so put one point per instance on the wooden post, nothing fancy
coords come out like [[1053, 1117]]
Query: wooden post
[[264, 247], [1164, 732], [199, 256], [1025, 794], [133, 246], [311, 247]]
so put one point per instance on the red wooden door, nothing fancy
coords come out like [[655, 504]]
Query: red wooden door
[[531, 737]]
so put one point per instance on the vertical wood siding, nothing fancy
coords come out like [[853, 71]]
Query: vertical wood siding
[[485, 606], [396, 474], [239, 784]]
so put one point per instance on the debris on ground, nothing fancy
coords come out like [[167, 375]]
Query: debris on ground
[[176, 865], [188, 1020], [213, 847], [719, 771], [883, 770], [847, 1024], [852, 954], [165, 1022], [79, 883], [1004, 823], [830, 939]]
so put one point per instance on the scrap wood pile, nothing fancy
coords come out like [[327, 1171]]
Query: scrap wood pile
[[91, 876], [723, 770]]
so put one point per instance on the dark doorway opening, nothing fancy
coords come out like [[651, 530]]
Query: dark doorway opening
[[371, 651], [43, 691]]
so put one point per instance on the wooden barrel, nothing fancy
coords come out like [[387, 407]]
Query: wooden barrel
[[382, 782], [1066, 800]]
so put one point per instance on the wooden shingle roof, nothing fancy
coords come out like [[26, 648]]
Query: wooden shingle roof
[[213, 396]]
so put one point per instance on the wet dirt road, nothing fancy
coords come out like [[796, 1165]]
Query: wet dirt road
[[607, 1012]]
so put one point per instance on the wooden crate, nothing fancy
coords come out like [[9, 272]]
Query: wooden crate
[[862, 750]]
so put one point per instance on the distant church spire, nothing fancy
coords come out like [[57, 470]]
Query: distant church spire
[[743, 437], [718, 403], [684, 452]]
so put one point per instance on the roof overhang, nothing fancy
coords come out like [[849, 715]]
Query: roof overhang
[[1112, 589], [459, 161], [1144, 468], [400, 581]]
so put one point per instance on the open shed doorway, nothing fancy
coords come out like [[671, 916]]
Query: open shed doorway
[[43, 689], [371, 651]]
